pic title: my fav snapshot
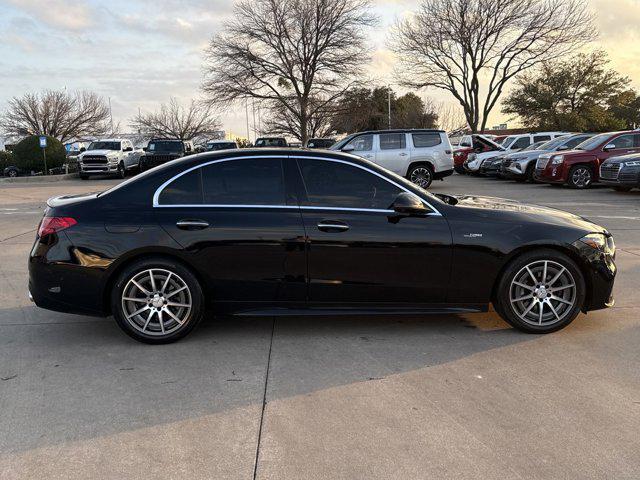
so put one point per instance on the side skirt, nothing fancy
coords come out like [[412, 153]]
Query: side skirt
[[346, 311]]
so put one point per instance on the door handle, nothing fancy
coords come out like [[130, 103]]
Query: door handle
[[403, 154], [332, 226], [190, 224]]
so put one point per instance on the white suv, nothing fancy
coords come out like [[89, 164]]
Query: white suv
[[419, 155], [515, 143]]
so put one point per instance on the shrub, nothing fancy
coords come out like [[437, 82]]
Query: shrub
[[6, 159], [27, 154]]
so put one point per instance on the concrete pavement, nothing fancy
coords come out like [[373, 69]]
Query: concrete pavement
[[432, 397]]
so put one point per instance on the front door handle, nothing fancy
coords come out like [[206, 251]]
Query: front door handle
[[332, 226], [404, 154], [192, 224]]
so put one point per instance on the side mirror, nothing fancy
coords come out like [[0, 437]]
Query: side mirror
[[82, 149], [609, 146], [348, 148], [562, 148], [128, 149], [144, 149], [409, 204]]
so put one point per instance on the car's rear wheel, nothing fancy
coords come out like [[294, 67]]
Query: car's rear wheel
[[580, 176], [421, 175], [540, 292], [157, 301]]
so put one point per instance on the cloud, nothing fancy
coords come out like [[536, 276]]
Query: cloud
[[64, 14]]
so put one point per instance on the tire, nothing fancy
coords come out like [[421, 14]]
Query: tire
[[529, 173], [520, 307], [580, 177], [460, 169], [84, 176], [421, 174], [13, 173], [121, 172], [622, 189], [155, 301]]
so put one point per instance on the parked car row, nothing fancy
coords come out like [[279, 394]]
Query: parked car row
[[575, 159]]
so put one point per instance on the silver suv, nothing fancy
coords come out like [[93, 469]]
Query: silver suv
[[419, 155]]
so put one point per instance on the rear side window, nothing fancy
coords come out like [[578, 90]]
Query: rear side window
[[541, 138], [338, 185], [184, 190], [423, 140], [392, 141], [244, 182]]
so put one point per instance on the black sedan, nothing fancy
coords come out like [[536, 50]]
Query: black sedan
[[298, 232]]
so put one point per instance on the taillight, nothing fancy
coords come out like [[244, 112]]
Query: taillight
[[51, 225]]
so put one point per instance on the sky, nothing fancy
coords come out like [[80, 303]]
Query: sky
[[139, 53]]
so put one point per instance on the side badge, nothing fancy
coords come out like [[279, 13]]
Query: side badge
[[472, 235]]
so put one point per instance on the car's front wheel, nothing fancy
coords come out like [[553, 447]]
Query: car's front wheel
[[121, 172], [540, 292], [421, 175], [157, 301], [580, 176]]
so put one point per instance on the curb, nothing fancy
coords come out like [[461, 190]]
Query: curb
[[39, 178]]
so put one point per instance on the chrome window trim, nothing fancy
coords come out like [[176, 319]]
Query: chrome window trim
[[156, 195]]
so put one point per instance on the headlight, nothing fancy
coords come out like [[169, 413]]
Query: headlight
[[634, 163], [471, 156], [557, 159], [600, 242]]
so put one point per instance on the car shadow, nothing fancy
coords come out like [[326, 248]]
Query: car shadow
[[81, 378]]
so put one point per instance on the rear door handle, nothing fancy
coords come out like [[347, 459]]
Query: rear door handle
[[332, 226], [404, 154], [192, 224]]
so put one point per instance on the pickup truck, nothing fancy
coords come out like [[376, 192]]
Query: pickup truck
[[112, 156]]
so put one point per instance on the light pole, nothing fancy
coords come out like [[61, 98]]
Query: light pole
[[389, 104]]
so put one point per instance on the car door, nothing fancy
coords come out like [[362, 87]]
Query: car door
[[360, 251], [392, 152], [620, 145], [363, 146], [236, 220]]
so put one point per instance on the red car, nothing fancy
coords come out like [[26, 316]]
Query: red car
[[468, 144], [579, 168]]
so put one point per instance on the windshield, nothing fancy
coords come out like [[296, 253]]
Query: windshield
[[164, 146], [552, 144], [271, 142], [593, 142], [104, 146], [220, 146], [533, 146]]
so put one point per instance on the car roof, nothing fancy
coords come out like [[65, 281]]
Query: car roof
[[400, 130]]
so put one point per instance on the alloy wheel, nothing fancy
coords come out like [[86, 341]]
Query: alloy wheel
[[581, 177], [421, 176], [156, 302], [543, 293]]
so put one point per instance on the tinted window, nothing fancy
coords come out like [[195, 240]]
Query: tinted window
[[244, 182], [520, 143], [426, 139], [185, 190], [541, 138], [333, 184], [392, 141], [363, 143], [623, 141]]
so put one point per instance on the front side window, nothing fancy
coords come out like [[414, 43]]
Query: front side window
[[244, 182], [623, 141], [363, 143], [541, 138], [392, 141], [423, 140], [574, 142], [339, 185], [520, 143]]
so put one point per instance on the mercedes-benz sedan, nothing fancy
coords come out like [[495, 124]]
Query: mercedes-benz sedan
[[299, 232]]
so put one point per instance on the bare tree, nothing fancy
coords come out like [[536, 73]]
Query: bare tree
[[451, 117], [289, 53], [286, 121], [173, 120], [57, 113], [472, 48]]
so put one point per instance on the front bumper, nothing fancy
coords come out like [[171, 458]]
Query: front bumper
[[600, 272], [626, 177]]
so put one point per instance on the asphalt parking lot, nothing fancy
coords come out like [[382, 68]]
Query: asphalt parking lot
[[356, 398]]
